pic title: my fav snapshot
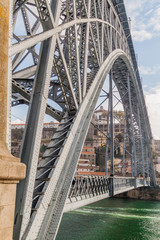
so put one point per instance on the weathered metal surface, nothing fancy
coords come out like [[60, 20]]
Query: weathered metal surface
[[89, 39]]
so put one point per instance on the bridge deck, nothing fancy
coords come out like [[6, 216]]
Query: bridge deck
[[89, 189]]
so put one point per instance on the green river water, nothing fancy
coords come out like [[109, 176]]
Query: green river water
[[112, 219]]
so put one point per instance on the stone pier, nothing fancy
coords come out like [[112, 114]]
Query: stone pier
[[11, 170], [144, 193]]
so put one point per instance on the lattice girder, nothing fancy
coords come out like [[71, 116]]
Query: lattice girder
[[66, 51]]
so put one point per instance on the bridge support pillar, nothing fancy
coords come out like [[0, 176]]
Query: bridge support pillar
[[11, 170], [111, 193]]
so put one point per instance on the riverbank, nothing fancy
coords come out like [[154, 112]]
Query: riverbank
[[144, 193]]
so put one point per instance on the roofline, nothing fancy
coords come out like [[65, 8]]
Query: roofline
[[20, 124]]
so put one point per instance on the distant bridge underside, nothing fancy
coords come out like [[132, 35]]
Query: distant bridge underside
[[89, 189], [60, 56]]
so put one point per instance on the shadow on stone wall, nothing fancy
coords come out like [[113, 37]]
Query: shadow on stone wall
[[144, 193]]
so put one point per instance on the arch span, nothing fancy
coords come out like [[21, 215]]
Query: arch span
[[80, 42], [50, 207]]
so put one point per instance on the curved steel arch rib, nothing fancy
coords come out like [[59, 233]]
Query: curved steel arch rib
[[77, 51], [44, 223]]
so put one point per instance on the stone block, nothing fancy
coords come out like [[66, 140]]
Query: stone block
[[11, 170], [8, 194], [6, 216], [6, 233]]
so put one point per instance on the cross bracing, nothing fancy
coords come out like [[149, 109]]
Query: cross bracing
[[63, 50]]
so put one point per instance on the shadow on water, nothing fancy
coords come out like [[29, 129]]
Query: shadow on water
[[112, 219]]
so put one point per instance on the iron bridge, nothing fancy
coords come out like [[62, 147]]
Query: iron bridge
[[60, 55], [88, 189]]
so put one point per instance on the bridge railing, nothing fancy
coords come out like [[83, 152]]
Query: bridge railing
[[140, 181], [123, 183], [85, 186], [89, 186], [87, 189], [143, 182]]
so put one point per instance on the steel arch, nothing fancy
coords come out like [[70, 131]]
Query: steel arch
[[77, 51]]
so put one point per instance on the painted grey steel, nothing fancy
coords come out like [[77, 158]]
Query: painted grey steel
[[151, 169], [111, 124], [32, 137], [107, 139], [111, 142], [124, 144], [33, 130], [80, 42], [89, 189], [25, 96], [141, 143], [147, 162], [134, 172]]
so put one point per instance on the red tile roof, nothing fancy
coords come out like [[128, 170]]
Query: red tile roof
[[89, 153], [93, 173], [86, 167], [84, 162], [19, 124]]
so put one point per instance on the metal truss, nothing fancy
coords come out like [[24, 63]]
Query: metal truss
[[84, 186], [88, 189], [63, 50], [88, 186]]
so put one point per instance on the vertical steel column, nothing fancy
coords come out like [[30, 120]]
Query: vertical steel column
[[33, 131], [32, 139], [124, 143], [133, 138], [111, 133], [151, 167], [142, 150], [147, 163], [107, 139], [111, 124]]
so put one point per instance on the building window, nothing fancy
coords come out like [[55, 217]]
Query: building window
[[95, 132]]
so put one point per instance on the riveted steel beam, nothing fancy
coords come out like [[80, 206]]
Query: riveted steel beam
[[80, 42]]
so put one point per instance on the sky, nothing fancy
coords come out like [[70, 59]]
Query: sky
[[145, 29]]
